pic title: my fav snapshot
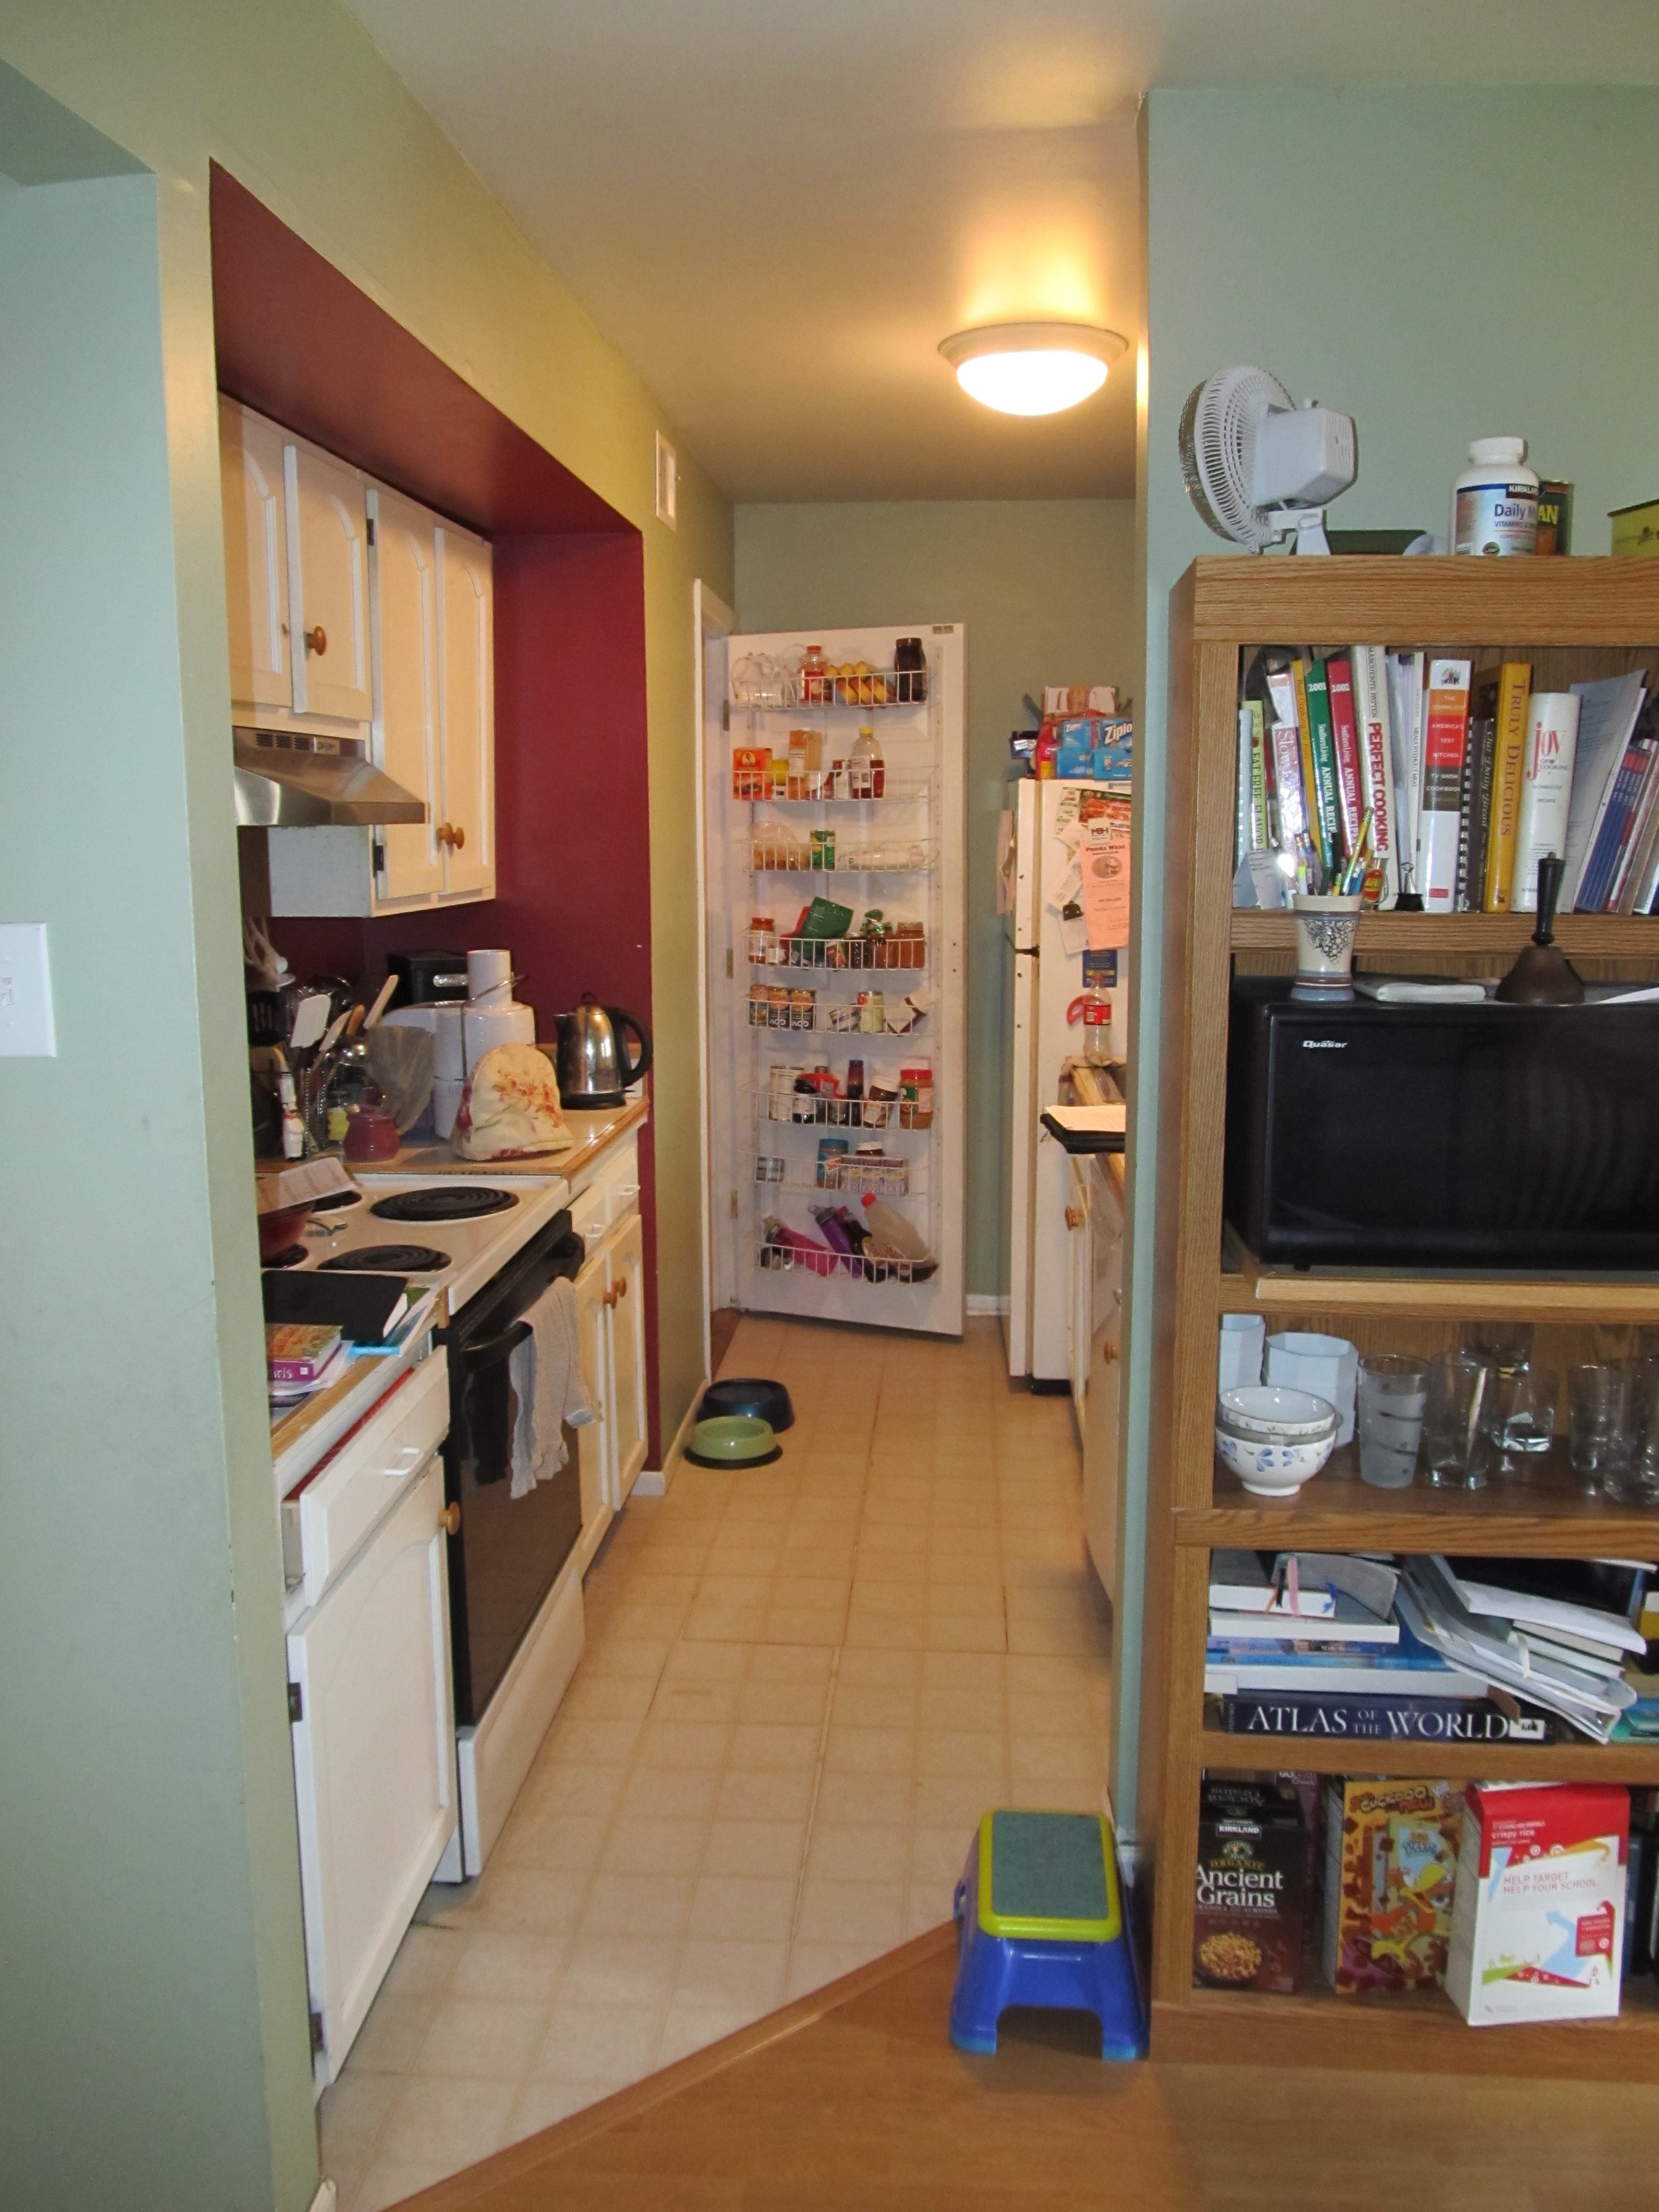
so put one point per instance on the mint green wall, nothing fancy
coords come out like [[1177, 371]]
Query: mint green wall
[[153, 2002], [1046, 589], [1441, 265]]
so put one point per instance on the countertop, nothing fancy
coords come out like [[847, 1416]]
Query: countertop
[[593, 1133]]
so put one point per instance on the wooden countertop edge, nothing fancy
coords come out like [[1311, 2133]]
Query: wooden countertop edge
[[440, 1160]]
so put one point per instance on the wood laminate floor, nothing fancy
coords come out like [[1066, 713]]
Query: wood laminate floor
[[857, 2103]]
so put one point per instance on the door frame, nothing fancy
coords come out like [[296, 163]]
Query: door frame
[[711, 618]]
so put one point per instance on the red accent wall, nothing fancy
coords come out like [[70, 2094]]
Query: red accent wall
[[298, 340]]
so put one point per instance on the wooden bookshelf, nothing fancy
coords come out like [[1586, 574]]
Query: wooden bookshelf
[[1636, 1764], [1573, 619]]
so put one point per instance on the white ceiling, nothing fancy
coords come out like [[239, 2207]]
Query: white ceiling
[[776, 209]]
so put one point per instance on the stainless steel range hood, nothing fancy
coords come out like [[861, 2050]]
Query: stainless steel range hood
[[286, 781]]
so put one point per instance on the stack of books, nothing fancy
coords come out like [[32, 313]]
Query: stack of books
[[315, 1323], [302, 1358], [1333, 1653], [1443, 782]]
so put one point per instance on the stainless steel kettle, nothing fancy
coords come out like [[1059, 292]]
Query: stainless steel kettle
[[593, 1070]]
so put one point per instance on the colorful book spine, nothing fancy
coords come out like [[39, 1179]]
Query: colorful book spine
[[1345, 736], [1406, 711], [1445, 742], [1371, 699], [1477, 795], [1324, 743], [1261, 830], [1287, 777], [1608, 853], [1304, 744], [1546, 791], [1641, 857], [1243, 841], [1392, 1720], [1508, 760]]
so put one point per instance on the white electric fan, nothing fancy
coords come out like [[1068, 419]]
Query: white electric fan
[[1258, 466]]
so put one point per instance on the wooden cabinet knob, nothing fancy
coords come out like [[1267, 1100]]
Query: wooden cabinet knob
[[622, 1288], [446, 835], [450, 1520], [457, 837], [1108, 1354], [1074, 1219], [317, 641]]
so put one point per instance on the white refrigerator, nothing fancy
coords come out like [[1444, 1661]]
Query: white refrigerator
[[836, 1051], [1050, 978]]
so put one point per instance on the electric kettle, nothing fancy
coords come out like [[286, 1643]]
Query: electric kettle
[[593, 1070]]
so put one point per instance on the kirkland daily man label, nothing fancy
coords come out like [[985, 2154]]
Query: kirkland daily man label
[[1495, 501]]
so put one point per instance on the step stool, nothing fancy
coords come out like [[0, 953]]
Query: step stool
[[1040, 1921]]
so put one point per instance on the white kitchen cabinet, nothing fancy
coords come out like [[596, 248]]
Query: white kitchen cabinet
[[255, 561], [630, 1435], [466, 690], [594, 1447], [373, 1756], [328, 584], [1102, 1242], [403, 606], [355, 612]]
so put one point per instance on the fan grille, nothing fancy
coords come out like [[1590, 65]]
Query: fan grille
[[1219, 427]]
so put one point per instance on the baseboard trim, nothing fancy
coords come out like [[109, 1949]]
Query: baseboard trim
[[653, 1482], [981, 1303], [326, 2199], [521, 2160]]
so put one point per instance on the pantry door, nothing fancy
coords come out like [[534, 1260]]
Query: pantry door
[[722, 1109], [836, 927]]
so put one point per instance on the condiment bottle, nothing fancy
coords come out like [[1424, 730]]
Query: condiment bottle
[[863, 763], [762, 939], [812, 677], [797, 781]]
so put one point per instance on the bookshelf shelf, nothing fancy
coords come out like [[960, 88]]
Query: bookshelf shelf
[[1634, 1763], [1381, 940], [1572, 619], [1568, 1299], [1414, 2032], [1543, 1515]]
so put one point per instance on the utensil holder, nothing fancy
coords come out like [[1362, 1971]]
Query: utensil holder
[[1325, 926]]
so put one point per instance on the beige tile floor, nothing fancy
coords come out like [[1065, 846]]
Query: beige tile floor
[[801, 1688]]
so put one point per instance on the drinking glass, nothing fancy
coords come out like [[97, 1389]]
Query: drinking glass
[[1634, 1480], [1521, 1418], [1599, 1439], [1504, 1345], [1455, 1404], [1388, 1415]]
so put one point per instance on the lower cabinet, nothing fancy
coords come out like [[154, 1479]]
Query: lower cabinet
[[373, 1756], [611, 1316], [1102, 1242]]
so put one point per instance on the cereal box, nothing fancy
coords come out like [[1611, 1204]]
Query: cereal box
[[751, 771], [1539, 1928], [1247, 1912], [1391, 1868]]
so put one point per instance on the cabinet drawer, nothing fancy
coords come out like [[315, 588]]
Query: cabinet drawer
[[327, 1518], [622, 1184], [588, 1216]]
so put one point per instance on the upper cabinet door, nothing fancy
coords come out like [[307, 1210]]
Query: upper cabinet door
[[466, 689], [256, 558], [404, 573], [328, 586]]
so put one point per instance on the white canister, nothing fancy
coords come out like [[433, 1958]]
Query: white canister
[[1239, 1363], [442, 1020], [485, 1027], [446, 1104], [490, 977], [1327, 1366]]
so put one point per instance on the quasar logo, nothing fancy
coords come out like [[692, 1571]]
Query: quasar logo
[[1324, 1044]]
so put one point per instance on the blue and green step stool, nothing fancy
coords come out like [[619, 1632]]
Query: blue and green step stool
[[1040, 1921]]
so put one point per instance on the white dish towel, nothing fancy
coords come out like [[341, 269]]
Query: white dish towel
[[545, 1371]]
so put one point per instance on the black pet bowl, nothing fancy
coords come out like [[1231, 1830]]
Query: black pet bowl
[[748, 1393]]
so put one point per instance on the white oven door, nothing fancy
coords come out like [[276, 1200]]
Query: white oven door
[[373, 1756]]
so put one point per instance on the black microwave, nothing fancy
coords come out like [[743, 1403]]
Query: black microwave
[[1519, 1138]]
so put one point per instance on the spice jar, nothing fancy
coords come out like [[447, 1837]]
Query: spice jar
[[916, 1096], [812, 677], [803, 1010], [763, 940]]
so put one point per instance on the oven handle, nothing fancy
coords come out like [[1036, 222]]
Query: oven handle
[[494, 1348]]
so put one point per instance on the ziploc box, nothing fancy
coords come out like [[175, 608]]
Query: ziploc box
[[1538, 1929], [1390, 1867]]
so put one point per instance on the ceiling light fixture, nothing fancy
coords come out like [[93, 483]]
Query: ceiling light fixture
[[1032, 368]]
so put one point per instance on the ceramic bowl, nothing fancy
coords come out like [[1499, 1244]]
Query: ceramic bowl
[[1275, 1470], [1263, 1412]]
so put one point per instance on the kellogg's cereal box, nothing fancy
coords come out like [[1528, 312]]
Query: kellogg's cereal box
[[1539, 1926], [1391, 1868], [1248, 1907]]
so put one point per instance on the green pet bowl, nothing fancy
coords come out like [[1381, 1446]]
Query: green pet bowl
[[734, 1440]]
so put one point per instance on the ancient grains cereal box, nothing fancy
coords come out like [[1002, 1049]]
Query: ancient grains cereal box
[[1539, 1928], [1390, 1870], [1248, 1905]]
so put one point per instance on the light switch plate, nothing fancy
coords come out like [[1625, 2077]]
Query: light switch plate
[[27, 1029]]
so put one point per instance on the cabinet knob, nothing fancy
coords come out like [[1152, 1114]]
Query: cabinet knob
[[450, 1520], [317, 641], [1108, 1354], [457, 837], [1073, 1218], [444, 833], [622, 1288]]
